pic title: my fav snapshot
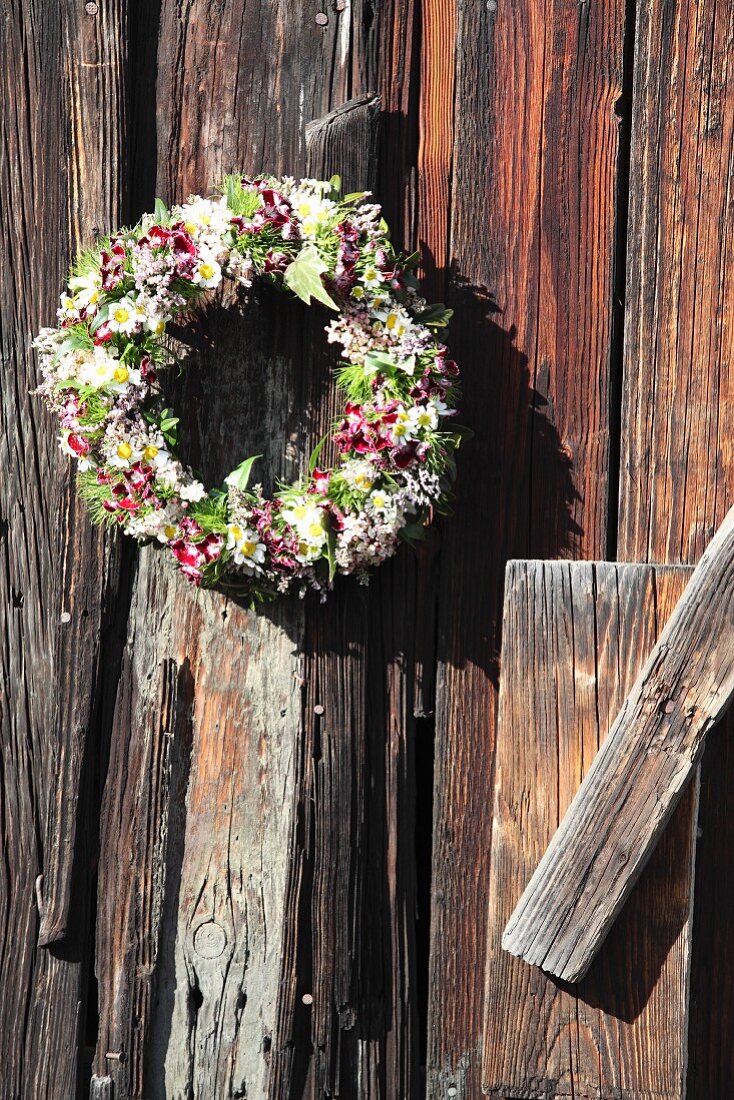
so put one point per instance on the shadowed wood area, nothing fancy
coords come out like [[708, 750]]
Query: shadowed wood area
[[575, 637]]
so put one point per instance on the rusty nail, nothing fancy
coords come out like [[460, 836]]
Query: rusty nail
[[91, 8], [322, 19]]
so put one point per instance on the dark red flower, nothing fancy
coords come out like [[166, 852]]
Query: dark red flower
[[78, 444]]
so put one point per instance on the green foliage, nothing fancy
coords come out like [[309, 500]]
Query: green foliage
[[211, 512], [242, 202], [94, 495], [303, 277], [240, 476]]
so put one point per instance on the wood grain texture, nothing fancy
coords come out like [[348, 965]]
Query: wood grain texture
[[575, 637], [531, 253], [351, 889], [636, 780], [252, 852], [677, 457], [677, 412], [55, 575]]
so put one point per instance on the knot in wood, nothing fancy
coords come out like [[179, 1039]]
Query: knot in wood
[[210, 940]]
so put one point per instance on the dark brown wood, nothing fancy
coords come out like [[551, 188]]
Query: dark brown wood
[[59, 179], [351, 887], [636, 780], [575, 637], [531, 247]]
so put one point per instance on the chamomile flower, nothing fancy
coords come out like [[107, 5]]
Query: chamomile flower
[[87, 290], [124, 317], [371, 277], [422, 417], [208, 273], [124, 453], [247, 550]]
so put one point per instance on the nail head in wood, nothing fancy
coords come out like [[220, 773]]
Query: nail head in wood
[[322, 19]]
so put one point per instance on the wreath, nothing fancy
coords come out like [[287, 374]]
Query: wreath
[[101, 370]]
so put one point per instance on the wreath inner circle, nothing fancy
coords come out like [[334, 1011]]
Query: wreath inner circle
[[395, 437]]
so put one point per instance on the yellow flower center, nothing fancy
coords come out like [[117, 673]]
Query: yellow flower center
[[94, 298], [190, 228], [249, 548], [206, 271], [378, 500], [121, 374], [399, 429], [315, 529], [363, 481], [124, 451], [169, 532], [159, 327], [121, 315], [150, 452], [236, 533]]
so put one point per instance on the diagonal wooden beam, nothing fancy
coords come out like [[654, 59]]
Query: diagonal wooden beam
[[637, 778]]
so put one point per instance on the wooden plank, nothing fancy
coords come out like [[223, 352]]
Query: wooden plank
[[575, 637], [240, 827], [635, 782], [351, 889], [531, 248], [677, 453], [58, 177]]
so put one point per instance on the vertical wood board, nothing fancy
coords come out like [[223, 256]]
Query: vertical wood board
[[677, 460], [59, 179], [533, 196]]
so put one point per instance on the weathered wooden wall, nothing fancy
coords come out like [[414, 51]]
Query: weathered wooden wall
[[261, 891]]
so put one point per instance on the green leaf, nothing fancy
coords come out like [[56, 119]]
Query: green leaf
[[239, 478], [379, 361], [100, 317], [413, 532], [355, 196], [331, 554], [160, 213], [336, 184], [303, 277], [313, 460]]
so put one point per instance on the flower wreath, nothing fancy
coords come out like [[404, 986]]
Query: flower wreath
[[101, 366]]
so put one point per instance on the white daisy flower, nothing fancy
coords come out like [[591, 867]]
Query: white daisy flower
[[124, 317], [208, 273], [245, 544]]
